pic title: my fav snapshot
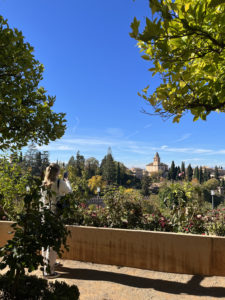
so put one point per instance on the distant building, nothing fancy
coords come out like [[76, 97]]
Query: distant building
[[221, 171], [138, 172], [156, 166]]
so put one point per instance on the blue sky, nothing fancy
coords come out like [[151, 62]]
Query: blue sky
[[95, 70]]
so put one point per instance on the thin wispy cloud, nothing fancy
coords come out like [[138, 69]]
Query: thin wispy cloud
[[221, 151], [137, 131], [192, 159], [130, 151], [184, 137], [73, 125], [125, 145], [89, 141], [115, 132], [186, 150], [132, 134], [147, 126], [163, 147]]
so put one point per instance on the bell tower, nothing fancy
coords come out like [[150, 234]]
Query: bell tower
[[156, 159]]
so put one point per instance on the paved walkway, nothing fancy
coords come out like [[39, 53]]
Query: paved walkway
[[104, 282]]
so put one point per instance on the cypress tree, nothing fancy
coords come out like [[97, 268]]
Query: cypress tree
[[183, 170], [79, 163], [37, 164], [178, 173], [223, 183], [200, 175], [173, 171], [196, 173], [189, 172], [108, 169], [71, 161], [168, 175], [30, 157], [21, 157], [206, 175], [145, 184], [216, 172], [118, 175]]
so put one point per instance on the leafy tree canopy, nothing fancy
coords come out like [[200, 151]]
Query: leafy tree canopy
[[185, 40], [25, 108], [211, 184]]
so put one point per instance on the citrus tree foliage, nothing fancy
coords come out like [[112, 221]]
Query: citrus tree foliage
[[185, 40], [13, 182], [25, 108]]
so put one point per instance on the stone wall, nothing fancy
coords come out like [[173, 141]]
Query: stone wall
[[159, 251]]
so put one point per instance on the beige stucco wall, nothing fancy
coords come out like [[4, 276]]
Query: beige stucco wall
[[166, 252], [157, 168]]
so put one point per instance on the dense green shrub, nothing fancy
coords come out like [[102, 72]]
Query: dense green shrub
[[14, 180], [124, 208], [35, 227], [216, 221], [34, 288]]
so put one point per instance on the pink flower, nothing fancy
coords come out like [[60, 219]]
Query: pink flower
[[163, 224], [203, 233]]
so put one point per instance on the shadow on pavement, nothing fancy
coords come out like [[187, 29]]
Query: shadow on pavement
[[192, 287]]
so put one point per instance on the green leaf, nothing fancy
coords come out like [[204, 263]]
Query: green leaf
[[146, 57], [215, 3], [195, 118], [134, 26]]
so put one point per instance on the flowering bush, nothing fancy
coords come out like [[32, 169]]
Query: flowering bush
[[126, 209], [215, 221], [156, 222]]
